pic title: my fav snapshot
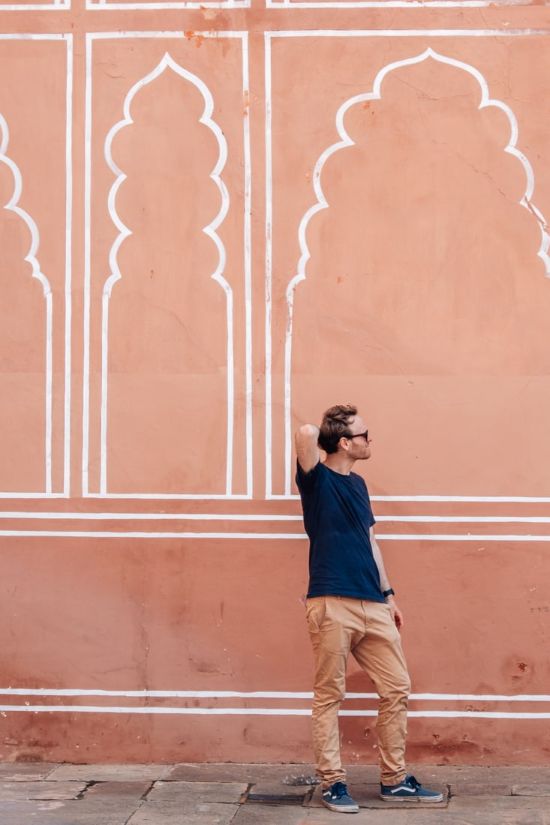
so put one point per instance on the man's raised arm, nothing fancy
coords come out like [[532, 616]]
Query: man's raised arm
[[307, 450]]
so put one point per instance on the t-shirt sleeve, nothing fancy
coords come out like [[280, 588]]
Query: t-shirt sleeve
[[372, 520], [307, 481]]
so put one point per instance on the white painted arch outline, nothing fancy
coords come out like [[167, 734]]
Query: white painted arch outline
[[167, 62], [66, 39], [321, 202], [30, 258]]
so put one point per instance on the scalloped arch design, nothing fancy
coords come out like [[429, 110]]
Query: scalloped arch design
[[167, 62], [321, 202], [36, 272]]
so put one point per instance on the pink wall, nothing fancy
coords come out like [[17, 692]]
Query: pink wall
[[217, 222]]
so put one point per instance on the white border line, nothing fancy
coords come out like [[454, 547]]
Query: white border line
[[247, 158], [268, 36], [104, 5], [141, 516], [269, 694], [268, 269], [228, 495], [505, 33], [55, 6], [87, 271], [252, 711], [443, 499], [116, 534], [442, 714], [68, 268], [392, 4]]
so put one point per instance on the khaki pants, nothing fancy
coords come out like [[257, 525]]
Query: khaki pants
[[338, 626]]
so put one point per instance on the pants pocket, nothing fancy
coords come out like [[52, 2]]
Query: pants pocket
[[315, 613]]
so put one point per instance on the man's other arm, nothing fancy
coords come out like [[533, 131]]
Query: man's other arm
[[397, 616], [307, 449]]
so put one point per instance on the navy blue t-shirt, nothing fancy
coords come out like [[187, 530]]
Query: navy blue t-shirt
[[337, 518]]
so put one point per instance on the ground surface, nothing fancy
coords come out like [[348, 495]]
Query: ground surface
[[189, 794]]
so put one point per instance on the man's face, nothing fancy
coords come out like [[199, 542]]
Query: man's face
[[358, 447]]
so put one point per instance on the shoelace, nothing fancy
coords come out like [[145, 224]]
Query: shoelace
[[413, 782], [339, 790]]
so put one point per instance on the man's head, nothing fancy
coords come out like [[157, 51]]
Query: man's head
[[343, 429]]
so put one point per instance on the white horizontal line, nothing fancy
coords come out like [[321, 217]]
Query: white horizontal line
[[36, 35], [458, 537], [161, 5], [391, 4], [121, 35], [257, 711], [66, 516], [33, 495], [113, 534], [103, 534], [408, 32], [170, 496], [468, 519], [472, 499], [482, 499], [267, 694], [22, 514], [36, 7]]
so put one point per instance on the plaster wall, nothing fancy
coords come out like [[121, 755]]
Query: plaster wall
[[217, 222]]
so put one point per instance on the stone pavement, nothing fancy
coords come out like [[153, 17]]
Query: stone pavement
[[231, 794]]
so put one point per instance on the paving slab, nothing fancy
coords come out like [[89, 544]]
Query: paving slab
[[205, 813], [180, 792], [481, 789], [422, 817], [16, 791], [118, 773], [118, 790], [260, 814], [235, 772], [536, 789], [502, 804], [73, 812], [279, 793], [25, 771]]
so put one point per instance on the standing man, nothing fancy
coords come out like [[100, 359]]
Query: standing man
[[350, 607]]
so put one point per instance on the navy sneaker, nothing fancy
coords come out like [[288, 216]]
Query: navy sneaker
[[409, 789], [337, 798]]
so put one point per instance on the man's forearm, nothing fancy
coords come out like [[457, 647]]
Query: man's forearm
[[376, 552], [307, 450]]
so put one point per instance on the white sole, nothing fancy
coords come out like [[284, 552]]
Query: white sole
[[411, 798], [339, 810]]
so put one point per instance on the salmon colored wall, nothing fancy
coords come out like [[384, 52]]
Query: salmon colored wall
[[217, 222]]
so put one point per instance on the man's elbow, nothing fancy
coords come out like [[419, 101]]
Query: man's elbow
[[307, 431]]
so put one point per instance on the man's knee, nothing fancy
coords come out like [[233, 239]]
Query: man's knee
[[397, 690], [328, 695]]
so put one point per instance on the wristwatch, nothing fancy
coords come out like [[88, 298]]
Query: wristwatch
[[390, 592]]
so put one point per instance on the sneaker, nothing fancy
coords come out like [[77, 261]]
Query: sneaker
[[409, 789], [337, 798]]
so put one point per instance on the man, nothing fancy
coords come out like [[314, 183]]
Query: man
[[350, 607]]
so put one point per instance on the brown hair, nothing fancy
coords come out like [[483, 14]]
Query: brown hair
[[334, 425]]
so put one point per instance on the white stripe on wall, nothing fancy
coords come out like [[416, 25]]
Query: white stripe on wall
[[448, 714], [269, 694]]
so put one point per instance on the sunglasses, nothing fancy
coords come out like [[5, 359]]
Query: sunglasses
[[364, 435]]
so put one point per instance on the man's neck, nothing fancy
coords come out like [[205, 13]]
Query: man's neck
[[339, 463]]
